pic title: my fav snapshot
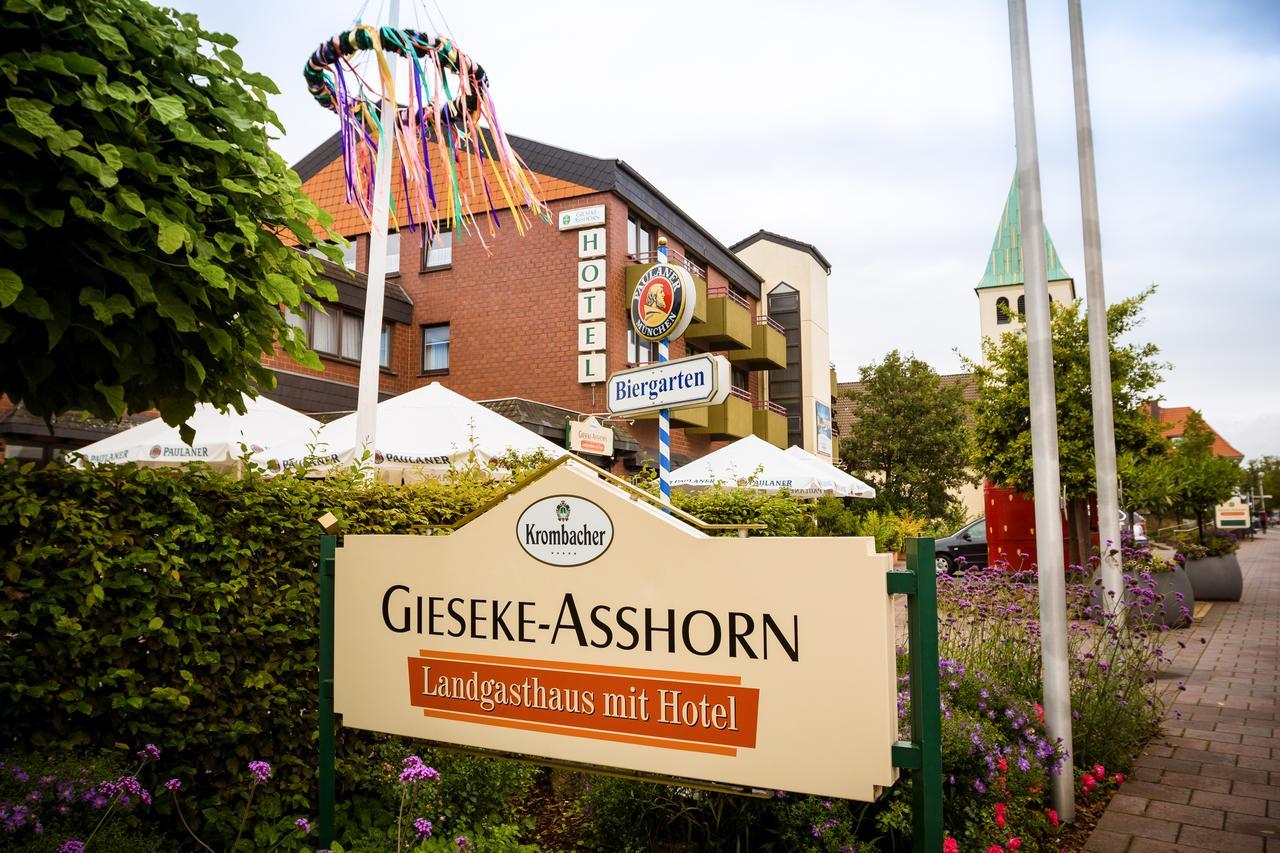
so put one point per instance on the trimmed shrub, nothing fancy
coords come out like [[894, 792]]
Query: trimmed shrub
[[163, 606]]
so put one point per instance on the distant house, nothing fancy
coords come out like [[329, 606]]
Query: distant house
[[1173, 422]]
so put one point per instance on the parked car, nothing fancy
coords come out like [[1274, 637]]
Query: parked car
[[970, 542]]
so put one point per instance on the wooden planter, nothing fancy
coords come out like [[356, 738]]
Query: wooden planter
[[1216, 578]]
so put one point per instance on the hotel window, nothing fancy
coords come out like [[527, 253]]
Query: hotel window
[[393, 253], [435, 348], [439, 253], [739, 378], [339, 333], [640, 236]]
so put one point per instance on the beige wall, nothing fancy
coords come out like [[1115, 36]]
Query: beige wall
[[1062, 290], [777, 263]]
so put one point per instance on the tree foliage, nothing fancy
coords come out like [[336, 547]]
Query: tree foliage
[[1003, 425], [141, 214], [911, 439], [1189, 480]]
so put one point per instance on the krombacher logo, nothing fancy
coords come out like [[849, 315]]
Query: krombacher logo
[[564, 530]]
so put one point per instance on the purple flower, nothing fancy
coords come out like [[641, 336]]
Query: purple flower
[[261, 771], [71, 845], [413, 770], [423, 826], [150, 752], [173, 785], [303, 826], [463, 843]]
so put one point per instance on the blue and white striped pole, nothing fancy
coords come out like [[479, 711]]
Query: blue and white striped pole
[[664, 415]]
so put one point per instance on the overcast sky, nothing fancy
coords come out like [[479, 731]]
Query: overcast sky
[[883, 134]]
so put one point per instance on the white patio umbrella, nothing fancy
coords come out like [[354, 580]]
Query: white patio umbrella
[[221, 438], [752, 463], [421, 433], [846, 485]]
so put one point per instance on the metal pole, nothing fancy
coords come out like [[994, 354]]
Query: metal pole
[[1104, 428], [1044, 417], [371, 339], [328, 550], [664, 415]]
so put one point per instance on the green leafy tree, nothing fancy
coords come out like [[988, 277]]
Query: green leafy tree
[[911, 438], [144, 220], [1003, 423], [1189, 480]]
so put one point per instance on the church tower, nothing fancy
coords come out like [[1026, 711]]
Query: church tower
[[1001, 302]]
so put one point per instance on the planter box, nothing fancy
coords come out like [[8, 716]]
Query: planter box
[[1169, 609], [1216, 578]]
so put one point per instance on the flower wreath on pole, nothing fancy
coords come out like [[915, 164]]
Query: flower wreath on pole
[[481, 169]]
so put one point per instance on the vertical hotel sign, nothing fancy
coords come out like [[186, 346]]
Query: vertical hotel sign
[[591, 288], [529, 631]]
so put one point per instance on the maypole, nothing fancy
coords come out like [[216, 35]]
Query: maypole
[[456, 165]]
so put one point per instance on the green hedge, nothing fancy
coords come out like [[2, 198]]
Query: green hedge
[[157, 606]]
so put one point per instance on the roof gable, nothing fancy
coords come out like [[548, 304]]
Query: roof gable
[[790, 243]]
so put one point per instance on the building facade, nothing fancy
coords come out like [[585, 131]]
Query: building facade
[[542, 318]]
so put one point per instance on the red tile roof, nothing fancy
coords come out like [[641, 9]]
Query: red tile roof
[[1172, 423]]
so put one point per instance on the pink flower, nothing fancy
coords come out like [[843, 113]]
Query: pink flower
[[1053, 817], [1013, 844], [949, 845], [1039, 712], [995, 848], [1100, 772], [1119, 778]]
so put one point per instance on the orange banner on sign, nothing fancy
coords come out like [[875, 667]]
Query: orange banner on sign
[[677, 710]]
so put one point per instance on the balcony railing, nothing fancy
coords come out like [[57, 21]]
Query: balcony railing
[[762, 320], [725, 290], [740, 393], [672, 257], [769, 406]]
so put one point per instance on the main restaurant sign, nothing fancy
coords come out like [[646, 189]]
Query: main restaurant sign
[[573, 623]]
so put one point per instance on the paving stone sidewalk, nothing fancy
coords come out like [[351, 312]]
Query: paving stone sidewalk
[[1212, 782]]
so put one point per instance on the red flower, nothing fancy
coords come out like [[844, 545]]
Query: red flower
[[995, 848], [1053, 817], [949, 845], [1119, 779], [1040, 713], [1003, 764], [1100, 772], [1013, 844]]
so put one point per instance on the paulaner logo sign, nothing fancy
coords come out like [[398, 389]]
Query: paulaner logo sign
[[564, 530], [662, 303]]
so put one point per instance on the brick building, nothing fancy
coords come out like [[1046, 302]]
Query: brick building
[[533, 324]]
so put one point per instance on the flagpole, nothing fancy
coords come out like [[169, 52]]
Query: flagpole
[[371, 338], [1044, 418], [664, 415], [1104, 429]]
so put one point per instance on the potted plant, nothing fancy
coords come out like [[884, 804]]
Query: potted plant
[[1212, 567], [1156, 591]]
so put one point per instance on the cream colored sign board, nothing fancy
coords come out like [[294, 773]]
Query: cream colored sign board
[[1235, 513], [763, 662]]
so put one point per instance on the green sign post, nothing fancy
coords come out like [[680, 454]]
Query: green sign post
[[922, 755]]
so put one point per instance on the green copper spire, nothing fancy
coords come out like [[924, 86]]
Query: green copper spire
[[1005, 265]]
